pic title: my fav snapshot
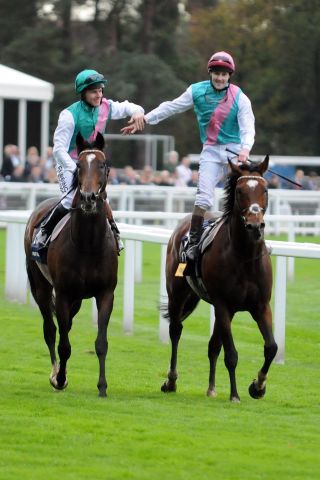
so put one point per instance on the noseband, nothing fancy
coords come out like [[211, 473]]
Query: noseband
[[94, 196], [254, 208]]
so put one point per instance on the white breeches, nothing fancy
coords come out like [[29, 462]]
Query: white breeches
[[213, 166], [65, 177]]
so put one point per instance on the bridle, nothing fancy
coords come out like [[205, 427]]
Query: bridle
[[254, 208], [90, 198]]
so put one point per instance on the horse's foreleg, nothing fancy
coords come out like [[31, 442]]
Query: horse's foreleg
[[64, 348], [223, 321], [175, 329], [105, 306], [257, 389], [214, 348]]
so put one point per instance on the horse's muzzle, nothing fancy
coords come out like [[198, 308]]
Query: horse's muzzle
[[88, 203], [255, 229]]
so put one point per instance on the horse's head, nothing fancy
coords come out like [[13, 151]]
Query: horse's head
[[92, 173], [251, 196]]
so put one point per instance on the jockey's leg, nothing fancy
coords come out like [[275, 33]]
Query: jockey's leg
[[47, 226], [211, 169], [195, 232], [114, 227]]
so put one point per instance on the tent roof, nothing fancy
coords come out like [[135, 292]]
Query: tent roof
[[18, 85]]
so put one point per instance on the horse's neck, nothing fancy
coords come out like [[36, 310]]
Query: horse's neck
[[88, 231]]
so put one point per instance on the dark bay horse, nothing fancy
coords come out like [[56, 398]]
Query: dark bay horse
[[82, 262], [236, 276]]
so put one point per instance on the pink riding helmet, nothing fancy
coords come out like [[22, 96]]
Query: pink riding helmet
[[222, 59]]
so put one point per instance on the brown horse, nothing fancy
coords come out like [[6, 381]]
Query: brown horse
[[82, 262], [236, 275]]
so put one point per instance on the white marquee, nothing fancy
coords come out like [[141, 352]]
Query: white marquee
[[16, 85]]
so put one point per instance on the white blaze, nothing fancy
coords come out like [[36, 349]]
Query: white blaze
[[252, 183], [90, 157]]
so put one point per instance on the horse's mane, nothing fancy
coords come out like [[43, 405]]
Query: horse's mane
[[230, 187]]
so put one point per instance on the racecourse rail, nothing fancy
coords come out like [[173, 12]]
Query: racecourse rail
[[16, 287]]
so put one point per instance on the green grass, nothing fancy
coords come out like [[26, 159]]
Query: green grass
[[140, 433]]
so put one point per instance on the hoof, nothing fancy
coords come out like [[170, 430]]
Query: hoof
[[56, 386], [254, 393], [168, 387], [211, 393], [102, 394], [234, 399]]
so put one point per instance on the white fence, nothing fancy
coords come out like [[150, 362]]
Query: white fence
[[16, 278], [147, 197]]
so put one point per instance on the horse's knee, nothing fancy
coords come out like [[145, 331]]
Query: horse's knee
[[270, 351], [101, 347]]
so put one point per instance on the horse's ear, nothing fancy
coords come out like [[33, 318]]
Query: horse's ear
[[263, 166], [234, 168], [80, 143], [99, 142]]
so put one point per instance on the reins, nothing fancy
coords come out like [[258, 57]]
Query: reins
[[271, 171]]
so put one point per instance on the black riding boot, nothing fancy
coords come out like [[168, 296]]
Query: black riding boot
[[194, 236], [48, 225], [116, 234]]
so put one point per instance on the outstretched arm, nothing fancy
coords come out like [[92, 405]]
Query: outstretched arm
[[163, 111]]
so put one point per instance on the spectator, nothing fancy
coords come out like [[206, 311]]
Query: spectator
[[36, 174], [274, 182], [51, 176], [147, 176], [193, 182], [130, 176], [113, 178], [164, 179], [313, 181], [11, 159], [32, 160], [18, 174], [301, 179], [171, 162], [183, 172]]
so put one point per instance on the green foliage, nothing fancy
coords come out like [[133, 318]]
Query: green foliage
[[152, 49]]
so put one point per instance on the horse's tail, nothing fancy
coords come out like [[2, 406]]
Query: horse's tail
[[163, 308]]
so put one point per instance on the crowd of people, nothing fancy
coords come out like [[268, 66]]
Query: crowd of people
[[33, 168], [176, 172]]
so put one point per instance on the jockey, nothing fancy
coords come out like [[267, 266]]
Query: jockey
[[225, 120], [90, 115]]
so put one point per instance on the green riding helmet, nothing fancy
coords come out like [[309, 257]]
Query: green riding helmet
[[88, 77]]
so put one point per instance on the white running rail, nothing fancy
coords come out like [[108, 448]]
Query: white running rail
[[16, 277]]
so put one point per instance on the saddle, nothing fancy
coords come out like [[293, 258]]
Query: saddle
[[41, 254], [192, 271]]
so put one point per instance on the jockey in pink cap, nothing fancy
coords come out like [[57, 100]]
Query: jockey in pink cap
[[225, 120]]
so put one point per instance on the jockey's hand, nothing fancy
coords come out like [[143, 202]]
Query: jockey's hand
[[136, 123], [243, 155]]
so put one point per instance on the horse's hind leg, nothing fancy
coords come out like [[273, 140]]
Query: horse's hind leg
[[257, 389], [41, 290], [179, 307]]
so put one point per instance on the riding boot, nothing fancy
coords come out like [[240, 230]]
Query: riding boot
[[114, 227], [194, 235], [116, 234], [46, 228]]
